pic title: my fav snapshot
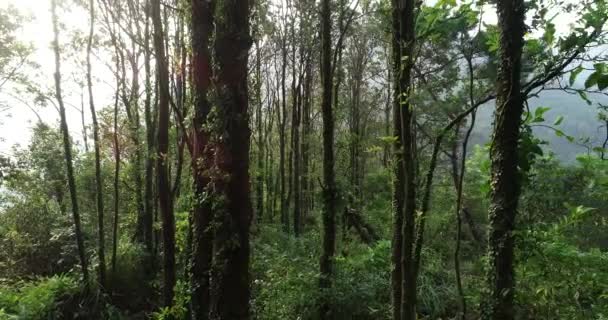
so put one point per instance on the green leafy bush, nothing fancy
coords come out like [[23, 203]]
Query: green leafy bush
[[46, 298]]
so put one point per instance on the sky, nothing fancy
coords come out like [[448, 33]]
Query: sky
[[15, 124]]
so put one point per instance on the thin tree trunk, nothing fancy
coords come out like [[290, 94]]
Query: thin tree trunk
[[405, 180], [116, 179], [605, 144], [306, 135], [459, 193], [67, 146], [260, 129], [505, 184], [98, 178], [387, 112], [164, 188], [84, 126], [326, 266], [282, 126], [230, 285], [295, 147], [149, 196], [398, 183]]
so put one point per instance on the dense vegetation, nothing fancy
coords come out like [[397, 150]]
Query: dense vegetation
[[280, 159]]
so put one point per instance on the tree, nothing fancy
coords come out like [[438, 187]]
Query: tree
[[67, 148], [505, 180], [326, 266], [230, 280], [201, 32], [404, 272], [164, 184], [98, 178]]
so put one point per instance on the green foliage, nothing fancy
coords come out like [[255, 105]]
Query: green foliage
[[558, 279], [179, 309], [285, 279], [41, 299]]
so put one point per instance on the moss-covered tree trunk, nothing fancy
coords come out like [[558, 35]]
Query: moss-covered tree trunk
[[505, 180], [404, 266], [201, 31], [230, 285], [329, 180]]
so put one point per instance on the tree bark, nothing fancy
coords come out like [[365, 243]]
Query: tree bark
[[405, 180], [259, 126], [505, 180], [306, 136], [201, 32], [282, 126], [67, 146], [116, 179], [326, 266], [164, 187], [149, 195], [230, 280]]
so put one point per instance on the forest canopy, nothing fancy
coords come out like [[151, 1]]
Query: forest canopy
[[279, 159]]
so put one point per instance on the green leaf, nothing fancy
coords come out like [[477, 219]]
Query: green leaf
[[558, 120], [599, 67], [493, 41], [583, 96], [602, 82], [592, 80], [575, 74], [539, 114], [549, 35]]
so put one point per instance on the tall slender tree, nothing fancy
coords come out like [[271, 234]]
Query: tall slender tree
[[98, 177], [150, 120], [505, 180], [164, 184], [116, 178], [67, 148]]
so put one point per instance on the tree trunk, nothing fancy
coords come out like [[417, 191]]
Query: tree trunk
[[398, 183], [282, 126], [82, 120], [116, 179], [259, 126], [67, 146], [98, 178], [201, 32], [164, 188], [149, 196], [326, 266], [295, 147], [230, 285], [404, 298], [505, 184], [387, 111], [306, 136]]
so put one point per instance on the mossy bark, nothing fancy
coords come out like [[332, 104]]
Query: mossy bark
[[505, 179]]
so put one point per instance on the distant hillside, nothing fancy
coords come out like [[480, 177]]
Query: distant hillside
[[580, 121]]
